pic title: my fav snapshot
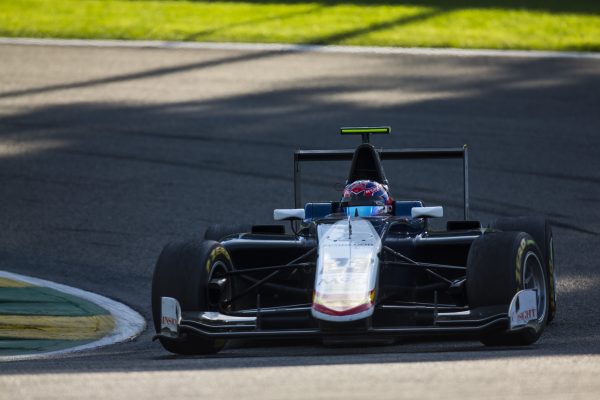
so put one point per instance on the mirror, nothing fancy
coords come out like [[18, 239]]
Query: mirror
[[427, 212]]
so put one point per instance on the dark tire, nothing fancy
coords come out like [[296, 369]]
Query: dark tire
[[219, 231], [496, 269], [183, 271], [541, 231]]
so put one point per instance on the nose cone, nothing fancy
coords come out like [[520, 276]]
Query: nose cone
[[347, 270]]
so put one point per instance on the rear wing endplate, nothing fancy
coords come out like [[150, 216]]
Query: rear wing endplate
[[384, 154]]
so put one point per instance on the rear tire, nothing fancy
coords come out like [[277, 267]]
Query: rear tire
[[183, 271], [218, 232], [499, 265], [541, 231]]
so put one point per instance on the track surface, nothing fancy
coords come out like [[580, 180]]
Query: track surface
[[107, 154]]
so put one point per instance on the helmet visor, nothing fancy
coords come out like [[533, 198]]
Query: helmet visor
[[365, 211]]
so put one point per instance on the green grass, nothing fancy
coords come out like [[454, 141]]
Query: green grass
[[493, 24]]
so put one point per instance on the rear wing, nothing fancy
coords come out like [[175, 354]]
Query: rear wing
[[366, 132], [384, 154]]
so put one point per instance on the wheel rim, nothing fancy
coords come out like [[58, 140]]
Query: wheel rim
[[218, 270], [533, 278]]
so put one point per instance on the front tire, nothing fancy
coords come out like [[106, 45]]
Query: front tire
[[540, 230], [183, 271], [499, 265]]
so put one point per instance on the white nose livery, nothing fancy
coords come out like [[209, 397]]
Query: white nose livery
[[347, 268]]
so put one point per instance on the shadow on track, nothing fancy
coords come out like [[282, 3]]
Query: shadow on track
[[134, 175]]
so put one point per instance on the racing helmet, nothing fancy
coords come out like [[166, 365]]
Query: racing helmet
[[366, 198]]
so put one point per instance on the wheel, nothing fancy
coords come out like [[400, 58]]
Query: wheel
[[541, 231], [498, 266], [219, 231], [183, 271]]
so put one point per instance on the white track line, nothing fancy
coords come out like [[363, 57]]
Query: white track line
[[128, 323], [301, 48]]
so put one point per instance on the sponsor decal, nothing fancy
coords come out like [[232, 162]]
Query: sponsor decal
[[552, 274], [170, 315], [526, 315], [170, 321], [344, 243], [523, 308], [217, 251], [519, 263]]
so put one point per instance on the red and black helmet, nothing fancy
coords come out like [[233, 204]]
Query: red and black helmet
[[366, 198]]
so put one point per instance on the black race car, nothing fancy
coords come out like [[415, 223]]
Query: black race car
[[347, 276]]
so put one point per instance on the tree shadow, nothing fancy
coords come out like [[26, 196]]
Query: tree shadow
[[199, 34], [432, 8], [550, 6], [151, 73], [340, 37]]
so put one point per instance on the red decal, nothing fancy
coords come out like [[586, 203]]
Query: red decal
[[168, 321], [526, 315]]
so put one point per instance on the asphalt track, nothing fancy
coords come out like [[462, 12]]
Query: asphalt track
[[107, 154]]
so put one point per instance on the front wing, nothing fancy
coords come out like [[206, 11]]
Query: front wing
[[387, 321]]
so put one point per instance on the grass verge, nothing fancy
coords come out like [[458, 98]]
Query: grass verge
[[492, 24]]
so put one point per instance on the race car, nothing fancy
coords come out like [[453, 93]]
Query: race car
[[363, 267]]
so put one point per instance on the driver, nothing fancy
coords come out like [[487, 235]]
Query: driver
[[366, 198]]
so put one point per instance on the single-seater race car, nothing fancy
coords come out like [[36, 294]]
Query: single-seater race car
[[365, 267]]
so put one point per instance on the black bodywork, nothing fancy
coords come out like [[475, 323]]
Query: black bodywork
[[421, 286]]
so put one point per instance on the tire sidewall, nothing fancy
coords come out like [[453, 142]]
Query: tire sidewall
[[526, 246], [541, 231], [495, 273], [182, 272]]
